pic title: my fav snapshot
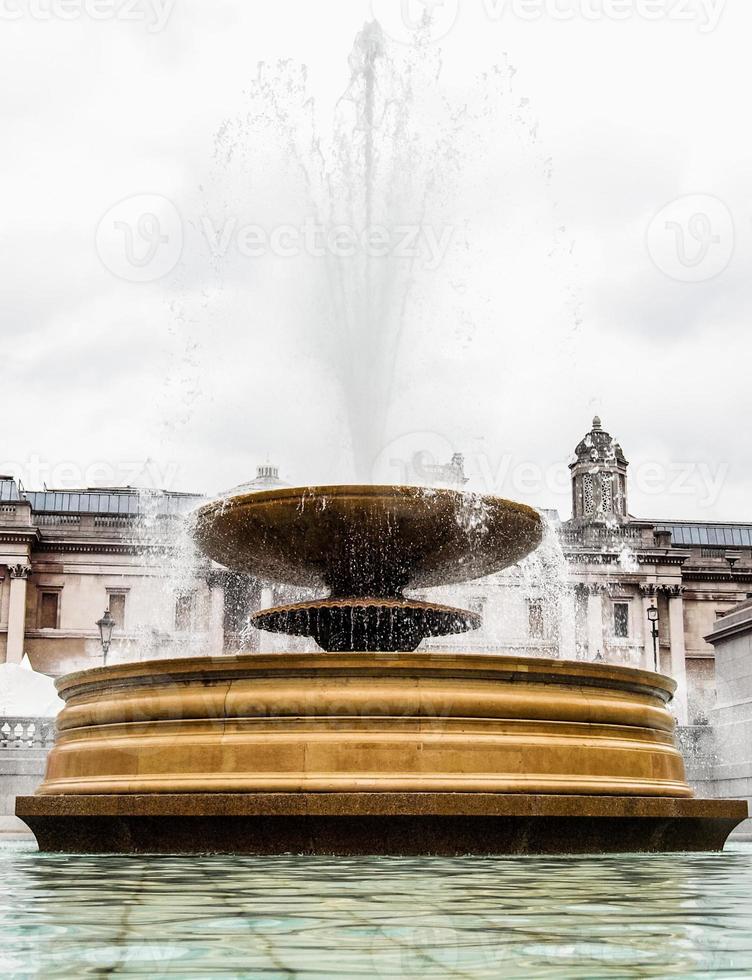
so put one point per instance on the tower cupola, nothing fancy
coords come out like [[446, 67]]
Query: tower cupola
[[599, 478]]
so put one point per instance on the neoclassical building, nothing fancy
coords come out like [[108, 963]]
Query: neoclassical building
[[694, 572], [614, 568], [65, 556]]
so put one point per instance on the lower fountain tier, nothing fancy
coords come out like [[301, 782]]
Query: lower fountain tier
[[368, 624], [369, 753], [415, 722]]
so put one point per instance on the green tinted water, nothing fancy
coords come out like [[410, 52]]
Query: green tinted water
[[625, 916]]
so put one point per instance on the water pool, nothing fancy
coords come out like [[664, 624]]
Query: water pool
[[673, 915]]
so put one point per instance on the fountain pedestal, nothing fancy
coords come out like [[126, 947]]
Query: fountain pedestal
[[450, 824]]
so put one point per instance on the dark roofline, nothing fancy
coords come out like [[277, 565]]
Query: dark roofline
[[124, 501], [707, 534], [123, 490], [693, 523], [9, 490]]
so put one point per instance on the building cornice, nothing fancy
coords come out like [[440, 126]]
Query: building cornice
[[734, 624], [695, 595], [719, 576], [609, 557], [98, 546], [19, 535], [93, 548]]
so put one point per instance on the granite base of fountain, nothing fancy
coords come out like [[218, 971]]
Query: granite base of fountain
[[364, 749]]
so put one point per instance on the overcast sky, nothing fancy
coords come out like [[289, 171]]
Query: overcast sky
[[596, 191]]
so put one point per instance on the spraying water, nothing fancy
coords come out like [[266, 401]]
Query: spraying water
[[357, 250], [361, 248]]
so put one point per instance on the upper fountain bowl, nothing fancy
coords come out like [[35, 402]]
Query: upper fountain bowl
[[366, 541], [366, 544]]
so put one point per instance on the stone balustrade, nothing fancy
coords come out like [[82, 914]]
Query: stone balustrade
[[26, 733], [598, 536], [24, 744]]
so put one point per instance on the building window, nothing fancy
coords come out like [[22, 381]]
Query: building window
[[535, 619], [184, 605], [116, 605], [477, 604], [49, 608], [588, 498], [607, 496], [621, 619]]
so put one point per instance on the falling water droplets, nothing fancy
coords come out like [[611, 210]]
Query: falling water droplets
[[398, 155]]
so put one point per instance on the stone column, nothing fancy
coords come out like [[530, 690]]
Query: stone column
[[19, 576], [649, 593], [595, 622], [567, 634], [215, 582], [678, 653]]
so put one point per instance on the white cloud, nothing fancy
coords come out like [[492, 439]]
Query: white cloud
[[509, 349]]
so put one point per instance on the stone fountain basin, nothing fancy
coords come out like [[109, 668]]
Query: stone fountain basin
[[369, 753], [366, 722], [366, 540]]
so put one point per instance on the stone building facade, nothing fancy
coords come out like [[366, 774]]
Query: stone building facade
[[731, 718], [693, 572], [66, 556], [589, 596]]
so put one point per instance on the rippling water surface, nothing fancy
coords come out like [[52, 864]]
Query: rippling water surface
[[580, 917]]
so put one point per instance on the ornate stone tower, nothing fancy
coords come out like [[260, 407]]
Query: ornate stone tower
[[599, 479]]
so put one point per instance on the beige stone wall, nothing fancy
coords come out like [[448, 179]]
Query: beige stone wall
[[84, 580], [85, 585], [701, 688], [700, 616], [4, 598]]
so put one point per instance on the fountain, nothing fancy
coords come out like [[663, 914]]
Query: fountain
[[369, 746], [366, 544]]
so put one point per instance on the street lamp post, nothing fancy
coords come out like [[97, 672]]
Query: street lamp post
[[653, 620], [106, 625]]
